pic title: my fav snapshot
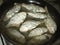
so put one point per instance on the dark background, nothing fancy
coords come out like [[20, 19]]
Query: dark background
[[54, 3]]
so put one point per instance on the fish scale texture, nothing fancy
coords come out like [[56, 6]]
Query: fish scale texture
[[28, 24]]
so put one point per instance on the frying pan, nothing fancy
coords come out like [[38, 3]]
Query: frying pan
[[42, 3]]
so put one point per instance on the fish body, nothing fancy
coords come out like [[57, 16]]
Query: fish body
[[37, 15], [13, 34], [33, 8], [12, 12], [51, 25], [17, 19], [38, 32], [29, 25], [38, 40]]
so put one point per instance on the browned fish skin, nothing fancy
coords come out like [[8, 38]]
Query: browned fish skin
[[28, 24]]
